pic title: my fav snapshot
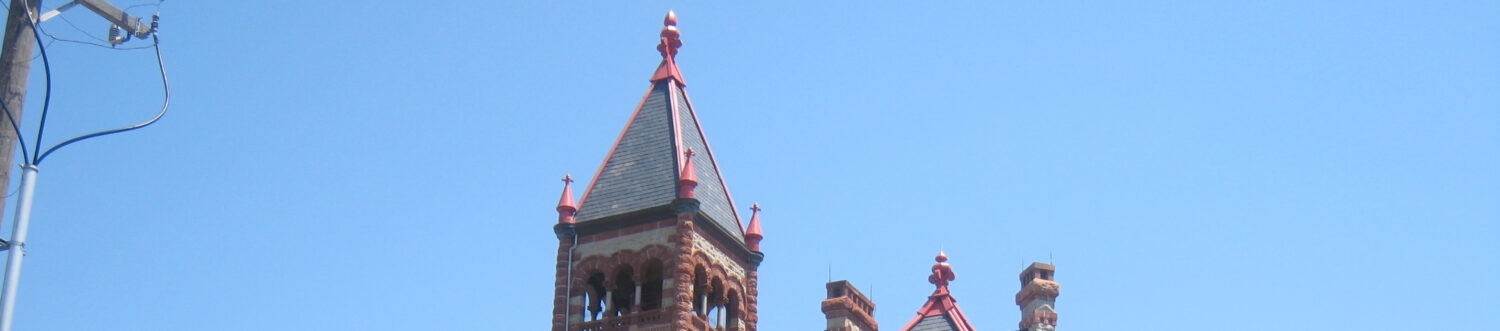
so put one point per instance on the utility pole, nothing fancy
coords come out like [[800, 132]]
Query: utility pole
[[15, 69], [20, 38]]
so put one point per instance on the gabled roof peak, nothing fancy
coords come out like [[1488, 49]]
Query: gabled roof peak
[[941, 310]]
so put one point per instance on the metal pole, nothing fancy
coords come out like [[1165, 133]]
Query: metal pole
[[17, 246]]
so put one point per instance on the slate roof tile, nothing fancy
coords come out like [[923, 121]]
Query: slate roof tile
[[934, 323]]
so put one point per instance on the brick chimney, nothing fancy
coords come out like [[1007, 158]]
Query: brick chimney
[[847, 309], [1038, 298]]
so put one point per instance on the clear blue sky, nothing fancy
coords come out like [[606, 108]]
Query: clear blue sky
[[394, 165]]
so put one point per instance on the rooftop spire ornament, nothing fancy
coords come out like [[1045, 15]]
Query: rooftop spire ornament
[[752, 232], [565, 207], [670, 37], [689, 178], [942, 273], [671, 41]]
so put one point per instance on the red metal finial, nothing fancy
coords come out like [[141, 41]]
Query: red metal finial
[[565, 207], [689, 178], [752, 233], [671, 40], [942, 273]]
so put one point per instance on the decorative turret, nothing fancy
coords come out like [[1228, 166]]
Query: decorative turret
[[752, 233], [565, 208], [689, 177]]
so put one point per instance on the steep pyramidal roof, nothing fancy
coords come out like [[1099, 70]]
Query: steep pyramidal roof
[[941, 312], [641, 171]]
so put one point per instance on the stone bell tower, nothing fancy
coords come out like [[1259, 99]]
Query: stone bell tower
[[656, 242]]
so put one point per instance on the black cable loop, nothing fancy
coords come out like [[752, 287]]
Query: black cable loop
[[47, 98], [166, 101]]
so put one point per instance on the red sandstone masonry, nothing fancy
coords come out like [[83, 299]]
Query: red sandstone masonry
[[560, 296], [680, 263]]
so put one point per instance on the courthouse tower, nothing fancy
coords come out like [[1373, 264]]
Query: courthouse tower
[[656, 242]]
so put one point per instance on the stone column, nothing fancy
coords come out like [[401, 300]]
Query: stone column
[[681, 266], [562, 307], [752, 291], [609, 297], [638, 294]]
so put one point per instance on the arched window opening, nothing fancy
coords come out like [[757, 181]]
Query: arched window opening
[[623, 297], [651, 289], [716, 302], [700, 290], [594, 296], [732, 310]]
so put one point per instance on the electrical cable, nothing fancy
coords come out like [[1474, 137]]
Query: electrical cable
[[166, 91], [65, 19], [47, 69], [49, 44], [139, 5], [56, 38], [19, 140]]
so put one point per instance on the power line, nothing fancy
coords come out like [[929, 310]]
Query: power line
[[80, 30]]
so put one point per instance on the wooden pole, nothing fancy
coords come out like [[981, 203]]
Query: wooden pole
[[15, 69]]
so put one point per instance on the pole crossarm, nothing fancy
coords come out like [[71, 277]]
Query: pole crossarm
[[58, 11], [131, 24]]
